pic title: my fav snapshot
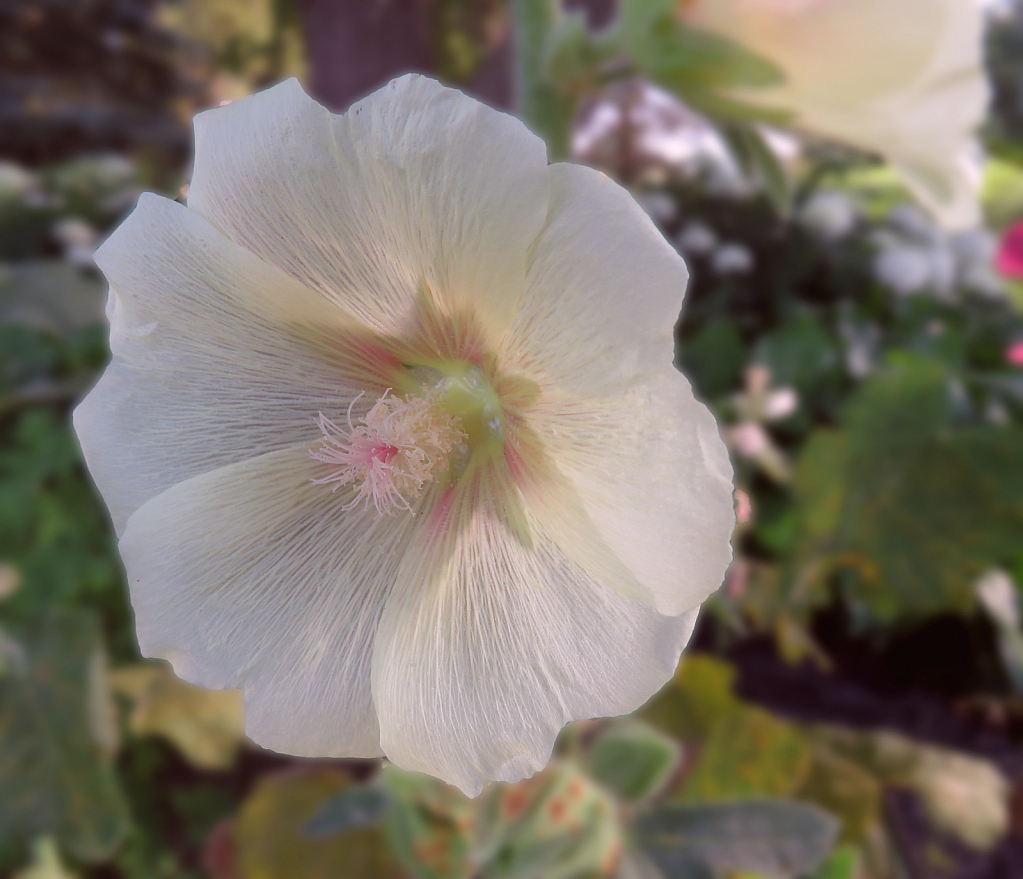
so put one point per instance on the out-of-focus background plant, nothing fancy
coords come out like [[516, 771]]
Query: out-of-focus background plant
[[852, 704]]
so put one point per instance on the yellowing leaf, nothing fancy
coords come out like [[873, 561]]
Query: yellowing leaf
[[206, 726], [699, 695], [750, 753], [272, 842], [46, 862]]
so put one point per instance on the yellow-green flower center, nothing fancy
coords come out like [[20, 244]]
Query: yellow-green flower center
[[463, 390]]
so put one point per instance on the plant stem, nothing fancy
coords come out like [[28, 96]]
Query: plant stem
[[546, 111]]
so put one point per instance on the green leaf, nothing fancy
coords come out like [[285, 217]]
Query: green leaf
[[557, 824], [429, 825], [800, 353], [845, 788], [842, 863], [1002, 192], [633, 760], [56, 740], [573, 59], [679, 56], [773, 837], [918, 506], [713, 359], [348, 810], [759, 162], [547, 111], [678, 864], [704, 69], [46, 862]]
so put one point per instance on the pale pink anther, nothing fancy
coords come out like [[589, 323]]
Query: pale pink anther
[[394, 450]]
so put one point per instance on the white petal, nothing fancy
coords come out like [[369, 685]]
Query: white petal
[[917, 98], [604, 289], [217, 357], [487, 647], [650, 482], [416, 182], [253, 577], [649, 476]]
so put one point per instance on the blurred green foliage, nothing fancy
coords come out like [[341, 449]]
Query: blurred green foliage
[[916, 503], [57, 737]]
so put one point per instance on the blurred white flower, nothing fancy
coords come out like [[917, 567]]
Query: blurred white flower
[[905, 268], [662, 131], [659, 206], [555, 503], [756, 404], [15, 180], [78, 239], [999, 597], [829, 213], [974, 252], [915, 256], [997, 594], [780, 404], [749, 439], [910, 222], [732, 259], [696, 238], [904, 80]]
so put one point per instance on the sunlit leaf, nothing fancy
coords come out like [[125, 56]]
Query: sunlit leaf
[[46, 862], [748, 753], [206, 726], [695, 699], [759, 161]]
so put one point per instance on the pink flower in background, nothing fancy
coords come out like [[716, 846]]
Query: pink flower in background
[[1014, 353], [1009, 259]]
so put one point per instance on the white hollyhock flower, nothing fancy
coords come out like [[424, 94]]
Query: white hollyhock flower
[[903, 79], [391, 435]]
